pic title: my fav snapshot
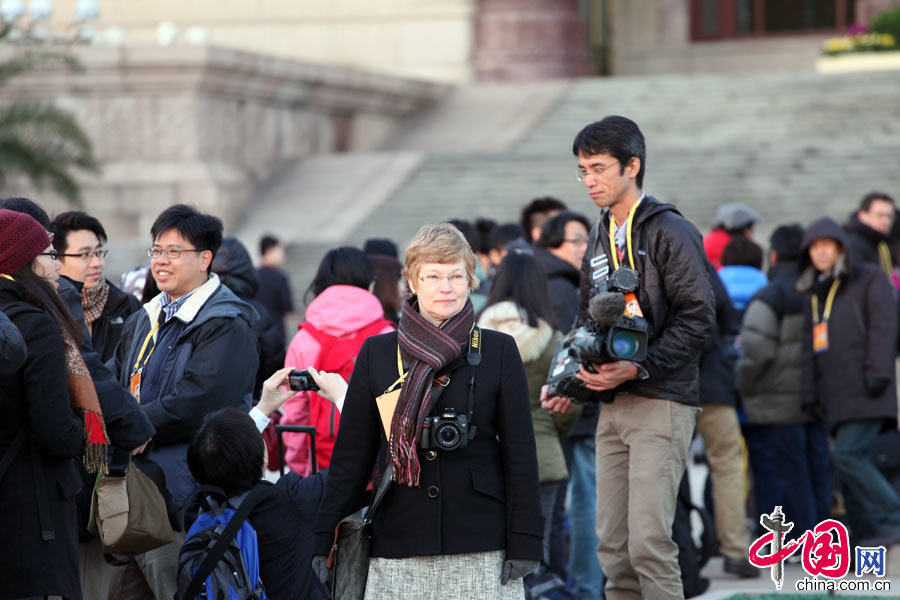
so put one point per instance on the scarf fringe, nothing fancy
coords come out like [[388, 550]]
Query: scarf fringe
[[96, 448]]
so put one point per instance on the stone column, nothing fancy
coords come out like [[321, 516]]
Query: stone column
[[521, 40]]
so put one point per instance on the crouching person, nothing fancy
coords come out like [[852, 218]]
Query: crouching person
[[228, 452]]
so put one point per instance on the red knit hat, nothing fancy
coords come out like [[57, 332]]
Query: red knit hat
[[21, 240]]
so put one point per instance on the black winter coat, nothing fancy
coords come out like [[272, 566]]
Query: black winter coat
[[235, 270], [284, 521], [477, 499], [12, 347], [862, 242], [674, 294], [210, 365], [563, 280], [36, 397], [106, 331], [127, 425], [855, 378], [717, 385]]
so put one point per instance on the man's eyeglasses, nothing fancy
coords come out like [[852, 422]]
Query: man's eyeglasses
[[579, 241], [86, 256], [171, 253], [52, 254], [580, 174]]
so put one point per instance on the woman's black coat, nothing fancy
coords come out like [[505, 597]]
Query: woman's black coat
[[477, 499], [37, 397]]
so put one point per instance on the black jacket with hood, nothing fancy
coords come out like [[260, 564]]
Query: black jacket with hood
[[563, 280], [854, 379], [235, 270], [674, 294], [862, 242]]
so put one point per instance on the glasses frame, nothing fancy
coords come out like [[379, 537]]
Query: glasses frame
[[86, 256], [169, 252], [596, 172], [444, 278], [52, 254]]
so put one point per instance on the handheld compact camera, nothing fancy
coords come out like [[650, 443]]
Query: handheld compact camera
[[302, 381], [447, 431]]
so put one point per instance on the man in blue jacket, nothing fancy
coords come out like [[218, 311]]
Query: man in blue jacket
[[190, 351]]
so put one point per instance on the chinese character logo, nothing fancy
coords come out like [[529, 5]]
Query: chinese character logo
[[826, 548], [870, 560]]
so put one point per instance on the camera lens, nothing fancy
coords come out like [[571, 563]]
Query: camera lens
[[447, 436], [625, 344]]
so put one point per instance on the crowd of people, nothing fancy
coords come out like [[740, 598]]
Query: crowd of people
[[429, 369]]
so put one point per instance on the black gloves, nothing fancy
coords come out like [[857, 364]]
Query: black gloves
[[875, 386], [517, 569]]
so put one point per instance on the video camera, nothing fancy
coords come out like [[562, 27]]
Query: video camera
[[610, 335]]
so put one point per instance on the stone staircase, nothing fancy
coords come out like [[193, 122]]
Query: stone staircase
[[793, 146]]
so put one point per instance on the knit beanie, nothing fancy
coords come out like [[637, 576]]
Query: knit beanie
[[21, 240]]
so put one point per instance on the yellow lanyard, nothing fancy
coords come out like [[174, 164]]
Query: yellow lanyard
[[399, 370], [829, 301], [612, 236], [885, 255], [137, 363]]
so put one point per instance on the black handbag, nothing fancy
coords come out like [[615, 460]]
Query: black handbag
[[348, 562]]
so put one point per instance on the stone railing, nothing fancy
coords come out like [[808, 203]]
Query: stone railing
[[207, 125]]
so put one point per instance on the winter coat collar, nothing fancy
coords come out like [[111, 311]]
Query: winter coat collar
[[507, 317], [855, 226], [210, 300]]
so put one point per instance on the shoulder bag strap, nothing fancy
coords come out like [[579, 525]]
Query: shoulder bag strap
[[13, 450], [218, 550], [383, 486]]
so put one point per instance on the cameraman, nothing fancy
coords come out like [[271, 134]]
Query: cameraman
[[644, 430]]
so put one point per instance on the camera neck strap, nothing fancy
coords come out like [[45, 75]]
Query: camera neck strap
[[473, 357], [612, 235]]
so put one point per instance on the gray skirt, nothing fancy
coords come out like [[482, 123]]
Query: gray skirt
[[445, 577]]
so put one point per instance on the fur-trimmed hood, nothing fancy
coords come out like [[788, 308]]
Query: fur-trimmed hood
[[824, 228], [508, 318]]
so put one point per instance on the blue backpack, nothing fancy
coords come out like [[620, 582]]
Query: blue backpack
[[220, 556]]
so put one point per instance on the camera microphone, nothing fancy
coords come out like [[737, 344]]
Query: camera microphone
[[606, 307]]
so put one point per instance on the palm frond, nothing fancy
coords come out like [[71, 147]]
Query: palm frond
[[44, 164], [43, 122]]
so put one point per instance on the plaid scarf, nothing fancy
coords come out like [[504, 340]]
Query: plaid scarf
[[83, 397], [94, 301], [427, 349]]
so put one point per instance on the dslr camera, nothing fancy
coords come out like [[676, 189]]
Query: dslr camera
[[447, 431], [608, 336]]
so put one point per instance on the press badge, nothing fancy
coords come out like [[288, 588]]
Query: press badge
[[820, 337], [135, 384], [632, 308], [387, 402]]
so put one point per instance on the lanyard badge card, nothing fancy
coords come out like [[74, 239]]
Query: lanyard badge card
[[632, 307], [387, 402], [820, 327], [134, 384]]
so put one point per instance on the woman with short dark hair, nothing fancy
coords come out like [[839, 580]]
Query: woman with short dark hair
[[519, 305], [342, 315]]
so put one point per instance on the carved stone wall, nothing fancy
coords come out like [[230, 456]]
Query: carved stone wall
[[207, 125]]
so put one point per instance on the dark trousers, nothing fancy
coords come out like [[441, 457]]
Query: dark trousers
[[802, 474], [762, 465], [873, 506]]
